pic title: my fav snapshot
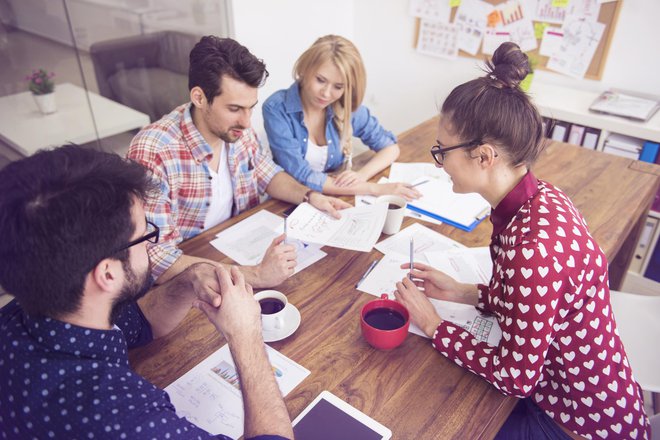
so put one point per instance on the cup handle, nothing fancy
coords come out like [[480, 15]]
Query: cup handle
[[279, 322], [384, 296]]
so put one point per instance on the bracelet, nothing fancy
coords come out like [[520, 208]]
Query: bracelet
[[308, 195]]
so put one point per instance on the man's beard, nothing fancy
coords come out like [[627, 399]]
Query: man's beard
[[133, 289]]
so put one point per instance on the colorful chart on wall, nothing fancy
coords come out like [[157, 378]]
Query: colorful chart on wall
[[571, 37]]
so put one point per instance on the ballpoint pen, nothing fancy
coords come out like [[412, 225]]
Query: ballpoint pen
[[412, 247], [421, 183], [284, 230], [366, 274], [482, 213]]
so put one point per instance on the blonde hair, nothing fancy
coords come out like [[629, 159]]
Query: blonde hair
[[345, 56]]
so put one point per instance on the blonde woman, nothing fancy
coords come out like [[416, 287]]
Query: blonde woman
[[311, 124]]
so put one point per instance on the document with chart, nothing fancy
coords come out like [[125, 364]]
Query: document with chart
[[209, 395], [357, 229]]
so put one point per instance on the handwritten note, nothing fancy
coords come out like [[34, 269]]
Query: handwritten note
[[573, 56]]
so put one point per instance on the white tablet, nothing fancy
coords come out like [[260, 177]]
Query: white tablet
[[330, 418]]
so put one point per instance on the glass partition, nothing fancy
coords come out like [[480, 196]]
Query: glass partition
[[116, 66]]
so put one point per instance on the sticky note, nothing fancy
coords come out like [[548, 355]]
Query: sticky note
[[494, 18], [454, 3], [539, 28], [560, 3]]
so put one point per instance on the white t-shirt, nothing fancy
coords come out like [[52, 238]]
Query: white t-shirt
[[316, 156], [222, 193]]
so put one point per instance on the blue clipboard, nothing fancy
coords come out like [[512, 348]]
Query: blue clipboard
[[467, 228]]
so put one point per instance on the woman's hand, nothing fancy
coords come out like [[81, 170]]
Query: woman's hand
[[422, 313], [404, 190], [348, 178], [439, 285]]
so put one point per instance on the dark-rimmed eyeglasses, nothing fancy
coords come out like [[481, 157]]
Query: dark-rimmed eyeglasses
[[438, 152], [152, 235]]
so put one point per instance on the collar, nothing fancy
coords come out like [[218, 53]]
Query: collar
[[293, 102], [199, 148], [512, 202], [62, 337]]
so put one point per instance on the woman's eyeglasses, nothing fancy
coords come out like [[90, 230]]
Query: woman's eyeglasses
[[438, 152]]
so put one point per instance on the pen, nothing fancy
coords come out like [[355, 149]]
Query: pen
[[371, 267], [483, 213], [412, 247], [284, 230], [421, 183], [366, 202]]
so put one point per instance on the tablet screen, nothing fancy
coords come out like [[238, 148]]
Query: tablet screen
[[325, 421]]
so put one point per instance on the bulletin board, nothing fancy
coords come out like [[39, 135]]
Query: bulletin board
[[608, 15]]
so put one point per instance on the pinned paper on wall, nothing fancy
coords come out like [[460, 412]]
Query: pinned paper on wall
[[510, 12], [471, 20], [560, 3], [539, 29], [552, 39], [493, 39], [438, 39], [587, 9], [578, 46], [546, 12], [521, 32], [434, 10]]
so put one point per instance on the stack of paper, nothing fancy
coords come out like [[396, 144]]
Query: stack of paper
[[628, 106]]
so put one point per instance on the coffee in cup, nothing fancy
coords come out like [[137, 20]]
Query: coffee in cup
[[273, 309], [396, 208], [384, 323]]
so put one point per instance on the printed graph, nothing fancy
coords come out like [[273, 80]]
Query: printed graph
[[227, 372]]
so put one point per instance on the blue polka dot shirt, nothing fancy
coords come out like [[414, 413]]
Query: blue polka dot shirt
[[58, 380]]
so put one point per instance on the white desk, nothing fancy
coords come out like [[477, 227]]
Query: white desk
[[572, 105], [26, 130]]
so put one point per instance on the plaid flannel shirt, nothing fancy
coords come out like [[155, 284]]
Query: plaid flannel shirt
[[178, 157]]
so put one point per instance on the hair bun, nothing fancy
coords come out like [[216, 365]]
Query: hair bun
[[508, 66]]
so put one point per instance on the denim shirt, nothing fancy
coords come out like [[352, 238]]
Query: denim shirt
[[288, 136]]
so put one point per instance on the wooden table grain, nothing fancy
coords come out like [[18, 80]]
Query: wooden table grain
[[412, 389]]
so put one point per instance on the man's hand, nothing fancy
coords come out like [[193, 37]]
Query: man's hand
[[330, 205], [239, 318], [278, 263], [205, 284]]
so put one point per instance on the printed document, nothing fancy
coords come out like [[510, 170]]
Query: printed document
[[467, 265], [357, 229], [246, 242], [209, 395], [424, 240]]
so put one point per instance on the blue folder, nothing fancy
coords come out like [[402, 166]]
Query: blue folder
[[453, 223]]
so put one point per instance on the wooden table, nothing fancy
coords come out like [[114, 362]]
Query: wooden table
[[413, 390]]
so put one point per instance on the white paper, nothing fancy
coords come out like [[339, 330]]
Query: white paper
[[357, 229], [483, 327], [246, 242], [467, 265], [548, 13], [209, 395], [438, 198], [438, 39], [436, 10], [471, 19], [493, 38], [425, 240], [551, 42], [408, 172], [388, 272], [522, 33], [587, 9], [579, 44]]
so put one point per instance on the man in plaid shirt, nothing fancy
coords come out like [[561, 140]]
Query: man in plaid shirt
[[204, 148]]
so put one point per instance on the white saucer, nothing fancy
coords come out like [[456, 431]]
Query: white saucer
[[292, 320]]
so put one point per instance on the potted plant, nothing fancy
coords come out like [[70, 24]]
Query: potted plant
[[42, 86]]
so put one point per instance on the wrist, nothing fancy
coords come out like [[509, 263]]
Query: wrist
[[307, 197], [432, 327]]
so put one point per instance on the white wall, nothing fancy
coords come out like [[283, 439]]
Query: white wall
[[279, 31], [403, 87]]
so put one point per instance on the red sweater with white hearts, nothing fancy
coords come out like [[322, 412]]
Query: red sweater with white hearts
[[549, 291]]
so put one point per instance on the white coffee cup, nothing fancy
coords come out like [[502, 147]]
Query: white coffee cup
[[273, 308], [394, 216]]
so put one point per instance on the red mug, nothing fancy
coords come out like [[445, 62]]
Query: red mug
[[387, 327]]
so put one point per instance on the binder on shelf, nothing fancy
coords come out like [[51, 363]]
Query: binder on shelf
[[622, 145], [649, 152], [560, 131], [590, 139], [576, 134]]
